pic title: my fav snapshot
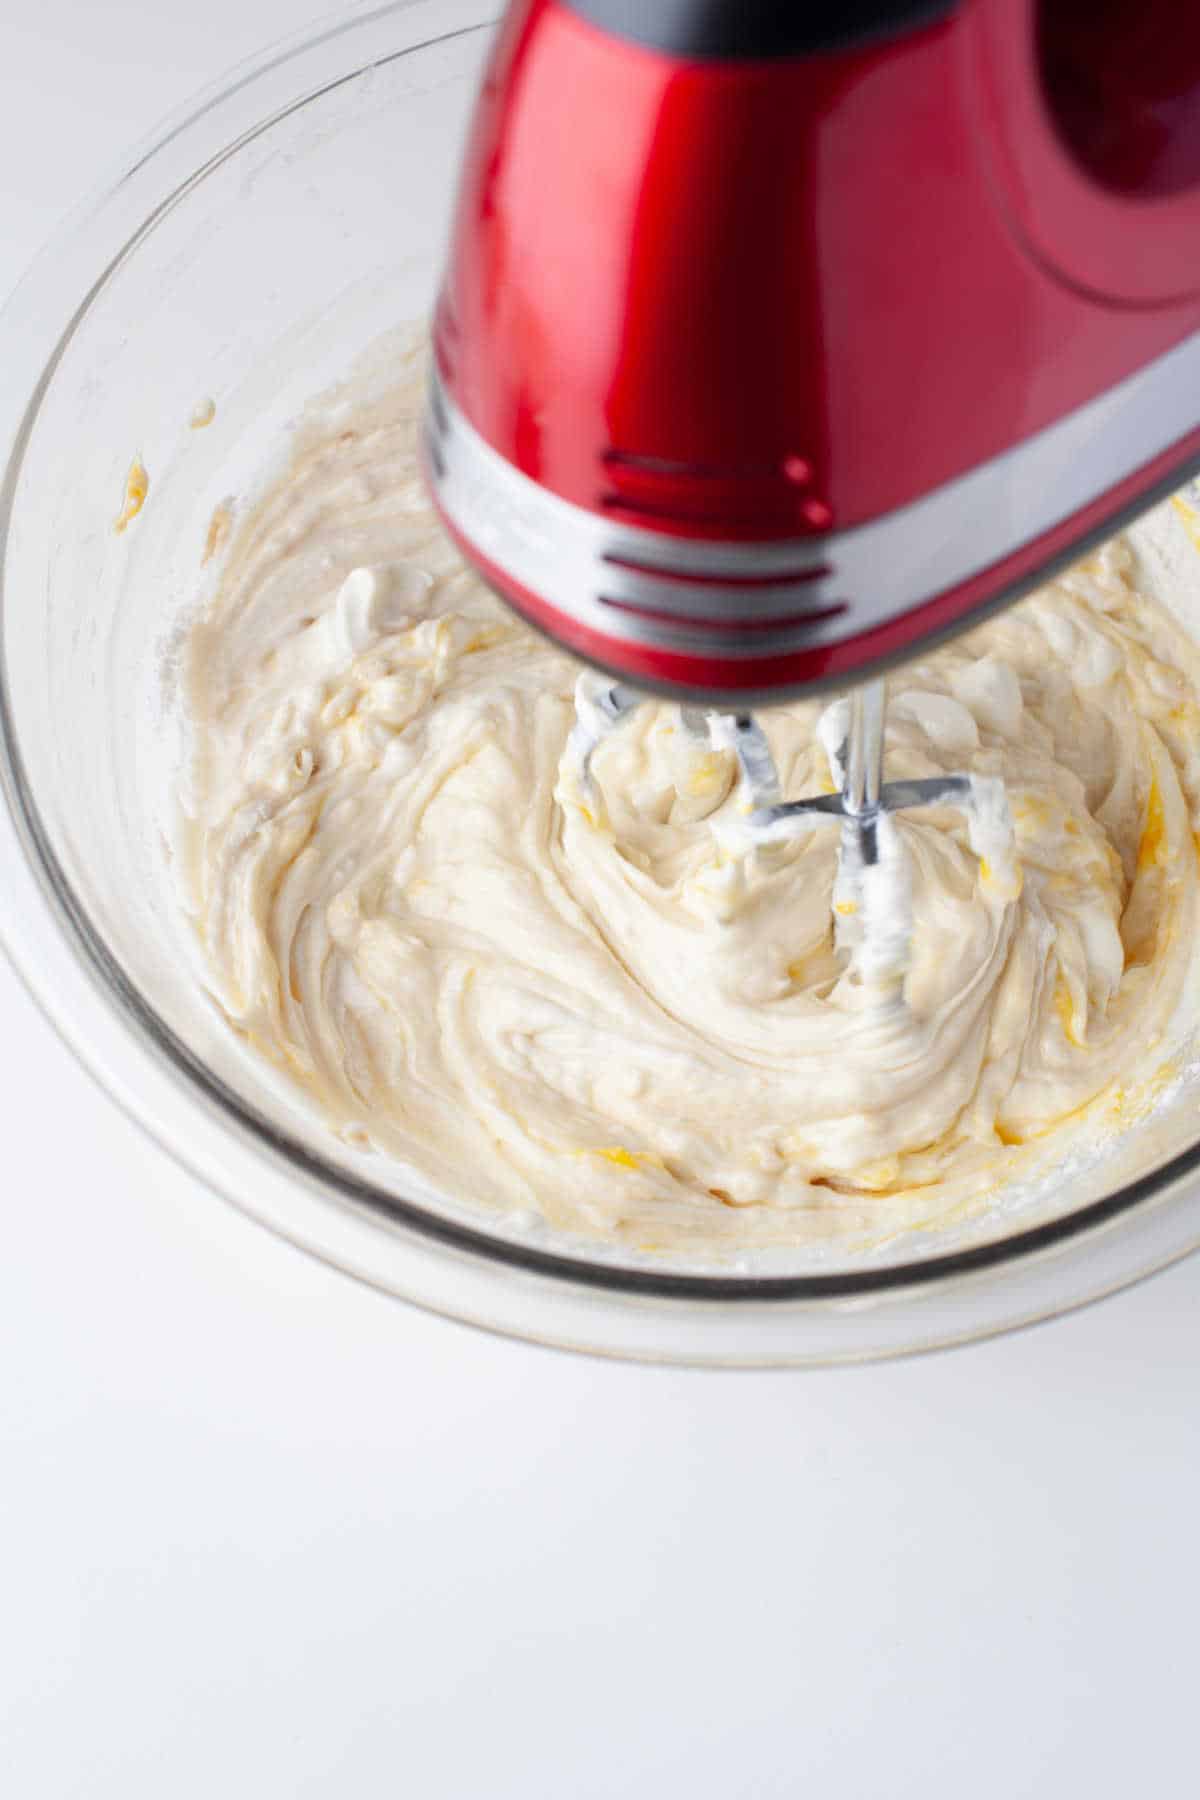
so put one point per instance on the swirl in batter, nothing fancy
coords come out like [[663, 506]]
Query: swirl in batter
[[582, 1003]]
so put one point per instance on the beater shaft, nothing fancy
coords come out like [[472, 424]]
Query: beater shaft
[[871, 898]]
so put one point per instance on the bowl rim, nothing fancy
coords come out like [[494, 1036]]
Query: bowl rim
[[450, 1267]]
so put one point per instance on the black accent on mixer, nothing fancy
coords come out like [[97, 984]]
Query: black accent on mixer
[[758, 28]]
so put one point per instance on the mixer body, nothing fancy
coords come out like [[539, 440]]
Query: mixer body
[[775, 342]]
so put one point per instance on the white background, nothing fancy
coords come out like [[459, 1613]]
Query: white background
[[263, 1532]]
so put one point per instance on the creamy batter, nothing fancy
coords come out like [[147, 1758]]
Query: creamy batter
[[590, 1003]]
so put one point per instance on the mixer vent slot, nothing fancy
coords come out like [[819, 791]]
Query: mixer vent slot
[[811, 616]]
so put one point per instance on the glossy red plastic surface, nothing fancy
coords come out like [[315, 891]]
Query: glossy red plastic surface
[[1122, 83], [765, 300], [1099, 177]]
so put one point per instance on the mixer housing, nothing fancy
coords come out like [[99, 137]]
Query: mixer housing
[[777, 341]]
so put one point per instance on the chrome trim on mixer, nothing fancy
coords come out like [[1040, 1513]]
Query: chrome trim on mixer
[[681, 594], [617, 579]]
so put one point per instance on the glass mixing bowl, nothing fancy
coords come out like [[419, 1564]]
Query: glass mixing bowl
[[272, 231]]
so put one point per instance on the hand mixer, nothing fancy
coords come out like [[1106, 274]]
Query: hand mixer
[[779, 340]]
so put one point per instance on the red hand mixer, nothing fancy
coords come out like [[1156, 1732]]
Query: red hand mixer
[[777, 341]]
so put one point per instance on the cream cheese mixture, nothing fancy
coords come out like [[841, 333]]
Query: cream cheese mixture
[[586, 1002]]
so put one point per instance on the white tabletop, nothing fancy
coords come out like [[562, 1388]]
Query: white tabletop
[[268, 1533]]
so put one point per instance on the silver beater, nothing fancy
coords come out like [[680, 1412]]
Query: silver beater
[[857, 765], [871, 891]]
